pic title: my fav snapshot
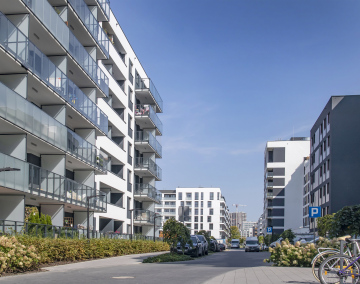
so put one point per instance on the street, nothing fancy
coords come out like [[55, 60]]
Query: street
[[231, 266]]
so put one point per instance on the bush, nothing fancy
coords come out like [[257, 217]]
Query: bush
[[167, 257], [15, 256], [300, 255], [53, 250]]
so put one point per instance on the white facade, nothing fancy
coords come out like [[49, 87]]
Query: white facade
[[283, 183], [247, 229], [207, 209], [79, 118]]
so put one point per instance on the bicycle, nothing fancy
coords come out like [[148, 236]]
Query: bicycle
[[341, 268], [323, 254]]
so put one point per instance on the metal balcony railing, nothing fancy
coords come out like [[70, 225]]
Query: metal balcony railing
[[150, 165], [145, 136], [92, 25], [147, 84], [53, 22], [148, 190], [148, 111], [15, 42]]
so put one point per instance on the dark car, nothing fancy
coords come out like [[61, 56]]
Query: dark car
[[196, 249], [222, 246], [204, 243], [214, 246]]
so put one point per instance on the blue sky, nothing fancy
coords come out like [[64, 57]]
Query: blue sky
[[234, 74]]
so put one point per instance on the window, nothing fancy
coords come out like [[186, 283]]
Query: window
[[201, 211], [270, 156], [312, 198], [196, 211], [188, 195], [196, 203], [172, 210], [158, 210], [327, 210], [320, 170], [209, 204], [320, 191], [328, 118], [202, 203], [201, 226], [328, 164], [313, 159], [196, 219], [196, 196], [325, 146], [211, 226], [321, 149], [218, 196], [196, 226], [324, 190], [324, 122], [328, 140], [201, 219], [182, 203], [321, 128], [327, 188], [202, 196], [211, 196], [211, 211], [180, 195], [188, 203], [324, 168], [209, 219]]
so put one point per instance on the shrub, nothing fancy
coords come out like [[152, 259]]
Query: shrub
[[15, 256], [301, 255], [167, 257]]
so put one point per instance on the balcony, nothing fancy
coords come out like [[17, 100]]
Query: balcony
[[168, 198], [146, 116], [91, 24], [17, 44], [38, 123], [147, 93], [269, 175], [55, 25], [270, 195], [105, 7], [143, 217], [269, 184], [146, 192], [47, 185], [145, 141], [147, 167]]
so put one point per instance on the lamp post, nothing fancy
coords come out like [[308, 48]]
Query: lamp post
[[155, 216], [131, 223], [88, 211]]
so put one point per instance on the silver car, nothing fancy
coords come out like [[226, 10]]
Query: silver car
[[196, 249]]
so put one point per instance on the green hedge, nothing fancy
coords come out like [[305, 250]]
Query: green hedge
[[53, 250]]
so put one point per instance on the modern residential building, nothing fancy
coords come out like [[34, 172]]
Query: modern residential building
[[334, 159], [260, 229], [199, 209], [78, 118], [283, 183], [247, 229], [236, 219], [306, 192]]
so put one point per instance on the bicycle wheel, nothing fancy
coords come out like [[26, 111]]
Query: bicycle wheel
[[318, 259], [329, 268]]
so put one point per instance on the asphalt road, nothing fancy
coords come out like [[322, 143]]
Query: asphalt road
[[130, 270]]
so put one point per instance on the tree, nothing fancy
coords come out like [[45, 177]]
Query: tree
[[346, 222], [175, 232], [261, 239], [325, 224], [288, 234], [234, 233]]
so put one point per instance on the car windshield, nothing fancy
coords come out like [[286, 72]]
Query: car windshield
[[251, 242], [194, 240], [234, 242], [201, 238]]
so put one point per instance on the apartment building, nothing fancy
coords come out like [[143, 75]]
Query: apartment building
[[78, 118], [248, 229], [306, 193], [199, 209], [283, 183], [237, 218], [334, 158]]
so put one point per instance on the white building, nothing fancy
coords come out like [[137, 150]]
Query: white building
[[247, 229], [283, 183], [203, 209], [79, 118]]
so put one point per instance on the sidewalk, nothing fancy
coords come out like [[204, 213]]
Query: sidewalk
[[266, 275]]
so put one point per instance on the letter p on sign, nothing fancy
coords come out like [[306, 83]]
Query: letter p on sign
[[315, 212]]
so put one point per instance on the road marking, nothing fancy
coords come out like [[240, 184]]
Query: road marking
[[123, 277]]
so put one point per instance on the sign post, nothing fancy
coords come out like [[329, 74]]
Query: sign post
[[314, 212], [269, 230]]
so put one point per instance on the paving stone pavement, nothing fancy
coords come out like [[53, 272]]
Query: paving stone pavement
[[265, 275]]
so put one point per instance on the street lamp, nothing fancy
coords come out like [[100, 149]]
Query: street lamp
[[155, 216], [131, 222], [88, 211], [8, 169]]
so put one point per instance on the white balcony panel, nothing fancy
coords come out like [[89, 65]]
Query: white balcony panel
[[113, 117], [114, 212], [111, 148], [112, 181], [117, 59]]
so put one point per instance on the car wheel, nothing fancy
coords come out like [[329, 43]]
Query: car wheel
[[206, 252]]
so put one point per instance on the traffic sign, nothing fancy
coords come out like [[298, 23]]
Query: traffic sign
[[269, 230], [315, 212]]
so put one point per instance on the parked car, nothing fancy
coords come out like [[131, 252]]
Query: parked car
[[204, 244], [222, 246], [252, 244], [235, 243], [273, 244], [196, 249], [214, 246]]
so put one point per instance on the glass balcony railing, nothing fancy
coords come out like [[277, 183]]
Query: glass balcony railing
[[52, 21], [147, 190], [29, 117], [143, 216], [15, 42], [147, 84], [145, 136], [150, 165], [148, 111], [92, 25], [105, 6], [37, 181]]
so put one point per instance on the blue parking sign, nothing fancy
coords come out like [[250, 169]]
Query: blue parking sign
[[315, 212], [269, 230]]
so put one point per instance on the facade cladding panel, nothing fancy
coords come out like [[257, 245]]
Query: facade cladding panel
[[279, 171], [279, 191], [279, 181], [279, 155], [278, 212], [278, 202], [278, 222]]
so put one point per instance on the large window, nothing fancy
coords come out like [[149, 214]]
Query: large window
[[209, 219], [188, 195], [209, 204], [196, 203], [202, 196], [196, 196], [180, 195], [211, 196], [270, 156], [211, 211], [211, 226]]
